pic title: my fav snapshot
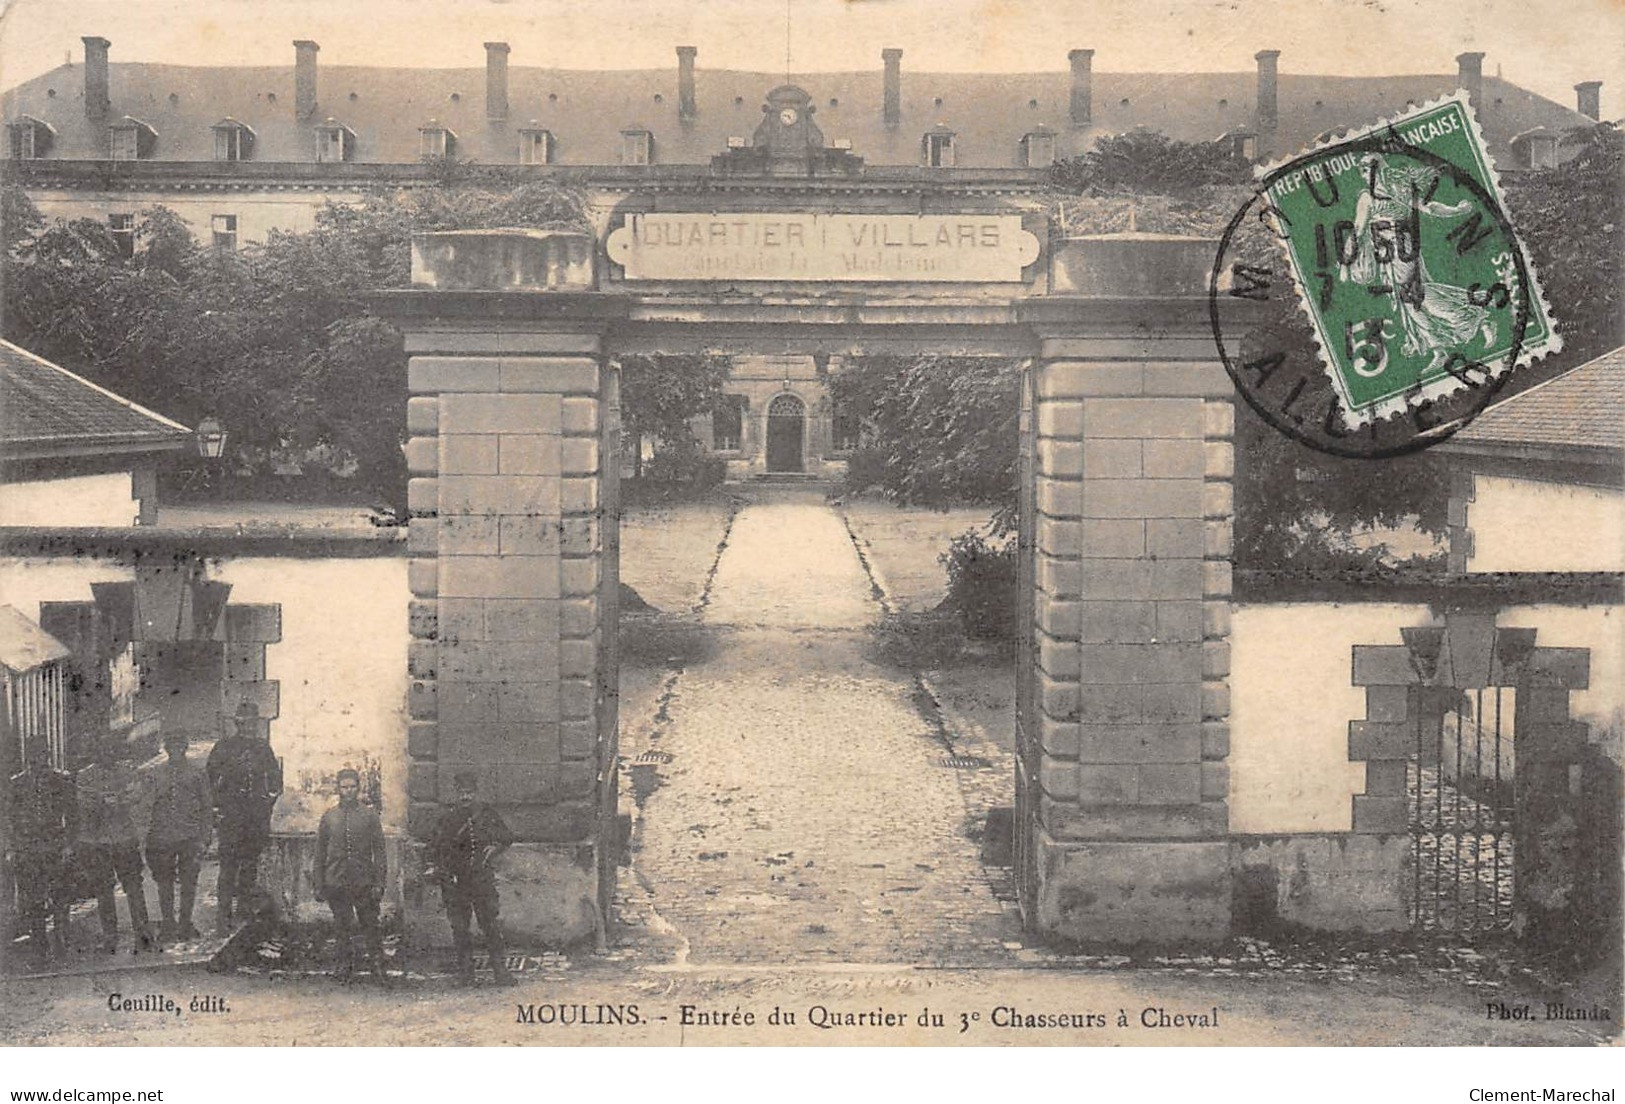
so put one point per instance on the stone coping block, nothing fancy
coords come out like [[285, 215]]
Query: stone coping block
[[503, 260], [1133, 265]]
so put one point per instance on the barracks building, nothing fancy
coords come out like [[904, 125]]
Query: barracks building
[[239, 151]]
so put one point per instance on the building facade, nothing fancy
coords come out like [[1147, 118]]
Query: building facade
[[241, 151]]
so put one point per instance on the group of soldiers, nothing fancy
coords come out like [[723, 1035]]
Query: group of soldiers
[[69, 835], [352, 866]]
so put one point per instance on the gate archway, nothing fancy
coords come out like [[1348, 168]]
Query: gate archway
[[1123, 702]]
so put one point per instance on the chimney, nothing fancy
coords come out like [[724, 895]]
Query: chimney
[[1268, 105], [496, 80], [1082, 86], [304, 78], [892, 103], [97, 101], [1470, 75], [686, 107], [1588, 99]]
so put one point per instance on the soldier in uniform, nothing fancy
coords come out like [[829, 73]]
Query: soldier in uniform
[[178, 833], [245, 780], [350, 871], [109, 844], [41, 825], [462, 850]]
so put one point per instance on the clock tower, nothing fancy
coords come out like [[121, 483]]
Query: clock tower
[[787, 130], [786, 143]]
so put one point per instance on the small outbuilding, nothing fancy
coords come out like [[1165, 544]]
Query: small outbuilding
[[74, 454]]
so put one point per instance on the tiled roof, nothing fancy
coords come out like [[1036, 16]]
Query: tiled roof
[[1582, 408], [586, 110], [46, 410]]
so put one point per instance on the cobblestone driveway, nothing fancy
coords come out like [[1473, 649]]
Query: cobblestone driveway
[[806, 814]]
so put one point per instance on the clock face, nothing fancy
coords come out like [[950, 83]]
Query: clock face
[[788, 116]]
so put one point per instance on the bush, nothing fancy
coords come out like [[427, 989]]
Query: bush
[[672, 466], [865, 470], [982, 591]]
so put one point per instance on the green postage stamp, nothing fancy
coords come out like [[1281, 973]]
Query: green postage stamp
[[1411, 274]]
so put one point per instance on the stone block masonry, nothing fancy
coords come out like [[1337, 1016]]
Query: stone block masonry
[[1133, 466], [512, 612], [1127, 464]]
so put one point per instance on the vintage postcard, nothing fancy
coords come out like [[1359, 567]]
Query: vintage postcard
[[836, 523]]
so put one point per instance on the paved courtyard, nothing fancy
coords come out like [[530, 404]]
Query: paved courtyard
[[805, 813]]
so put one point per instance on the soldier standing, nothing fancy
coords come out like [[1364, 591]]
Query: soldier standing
[[109, 845], [182, 818], [42, 823], [462, 850], [245, 779], [350, 870]]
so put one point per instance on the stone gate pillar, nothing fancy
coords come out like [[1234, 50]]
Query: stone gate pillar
[[513, 455], [1125, 743]]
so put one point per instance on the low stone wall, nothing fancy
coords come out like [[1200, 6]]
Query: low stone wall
[[1331, 882]]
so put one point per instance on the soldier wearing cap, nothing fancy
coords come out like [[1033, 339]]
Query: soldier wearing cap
[[109, 843], [245, 779], [462, 851], [350, 870], [41, 824], [177, 833]]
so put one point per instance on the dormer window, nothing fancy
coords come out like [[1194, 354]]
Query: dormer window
[[31, 137], [637, 147], [233, 141], [133, 140], [535, 146], [1239, 143], [435, 140], [335, 142], [1038, 148], [1534, 149], [937, 148]]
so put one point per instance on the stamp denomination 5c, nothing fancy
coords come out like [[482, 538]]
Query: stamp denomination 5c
[[1412, 279]]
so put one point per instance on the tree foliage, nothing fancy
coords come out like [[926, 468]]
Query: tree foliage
[[661, 394], [938, 430], [1572, 217], [1144, 162], [277, 339]]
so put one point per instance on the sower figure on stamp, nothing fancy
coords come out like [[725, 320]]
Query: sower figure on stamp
[[462, 851], [245, 779], [109, 844], [349, 874], [41, 825], [178, 834]]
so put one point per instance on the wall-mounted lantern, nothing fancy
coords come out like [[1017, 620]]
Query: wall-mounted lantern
[[211, 439]]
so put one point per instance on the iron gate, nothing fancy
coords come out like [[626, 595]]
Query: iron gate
[[1491, 780], [1460, 795]]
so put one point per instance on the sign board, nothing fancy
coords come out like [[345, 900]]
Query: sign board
[[823, 247]]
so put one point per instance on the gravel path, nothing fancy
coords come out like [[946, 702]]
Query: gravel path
[[806, 815]]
